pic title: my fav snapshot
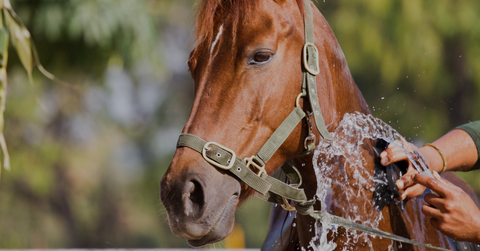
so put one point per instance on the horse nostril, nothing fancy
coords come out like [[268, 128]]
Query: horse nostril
[[196, 194], [193, 198]]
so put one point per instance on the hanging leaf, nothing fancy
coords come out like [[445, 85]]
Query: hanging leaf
[[3, 91], [25, 48], [20, 37], [23, 44]]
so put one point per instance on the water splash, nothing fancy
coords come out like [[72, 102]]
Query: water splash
[[344, 186]]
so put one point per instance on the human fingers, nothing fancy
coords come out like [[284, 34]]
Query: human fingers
[[407, 179], [434, 200], [446, 182], [436, 185], [430, 211], [392, 154], [412, 192]]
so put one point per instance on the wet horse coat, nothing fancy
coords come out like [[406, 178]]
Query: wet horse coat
[[248, 72]]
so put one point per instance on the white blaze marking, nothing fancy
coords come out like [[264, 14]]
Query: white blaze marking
[[220, 30]]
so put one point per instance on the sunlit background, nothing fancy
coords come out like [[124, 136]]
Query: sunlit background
[[87, 162]]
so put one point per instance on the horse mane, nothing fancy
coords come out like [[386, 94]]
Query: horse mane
[[211, 10]]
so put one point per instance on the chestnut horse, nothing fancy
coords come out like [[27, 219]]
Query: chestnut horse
[[247, 67]]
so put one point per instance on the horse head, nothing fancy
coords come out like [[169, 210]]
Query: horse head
[[247, 69]]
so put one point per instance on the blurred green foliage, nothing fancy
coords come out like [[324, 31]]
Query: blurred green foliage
[[86, 162], [415, 62]]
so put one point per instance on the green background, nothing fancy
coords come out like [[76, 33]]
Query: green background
[[87, 162]]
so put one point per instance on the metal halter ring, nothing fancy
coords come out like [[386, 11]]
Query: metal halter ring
[[310, 139], [313, 69], [230, 162], [297, 101]]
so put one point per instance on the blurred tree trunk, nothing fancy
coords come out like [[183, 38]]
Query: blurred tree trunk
[[463, 86], [95, 233]]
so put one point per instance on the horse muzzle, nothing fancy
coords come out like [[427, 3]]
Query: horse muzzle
[[200, 200]]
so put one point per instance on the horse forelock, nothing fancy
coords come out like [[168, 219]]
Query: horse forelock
[[211, 11]]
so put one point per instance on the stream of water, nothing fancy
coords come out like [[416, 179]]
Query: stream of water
[[344, 186]]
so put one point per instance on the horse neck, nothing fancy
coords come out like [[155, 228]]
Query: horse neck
[[338, 95]]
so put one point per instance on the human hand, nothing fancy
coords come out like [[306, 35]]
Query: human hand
[[452, 211], [406, 186]]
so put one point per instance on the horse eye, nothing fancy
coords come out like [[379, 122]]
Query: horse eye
[[262, 57]]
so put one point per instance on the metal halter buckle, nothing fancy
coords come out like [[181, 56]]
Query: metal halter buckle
[[287, 205], [257, 163], [230, 162], [314, 70]]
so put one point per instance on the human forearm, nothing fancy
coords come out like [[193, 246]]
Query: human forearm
[[458, 148]]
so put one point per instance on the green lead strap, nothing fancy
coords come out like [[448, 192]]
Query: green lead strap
[[325, 217]]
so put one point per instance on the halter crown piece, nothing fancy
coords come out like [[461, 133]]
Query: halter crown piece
[[252, 171]]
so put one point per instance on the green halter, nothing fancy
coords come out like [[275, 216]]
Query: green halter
[[252, 170]]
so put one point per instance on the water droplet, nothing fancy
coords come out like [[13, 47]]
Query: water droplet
[[294, 224], [382, 98], [407, 76]]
